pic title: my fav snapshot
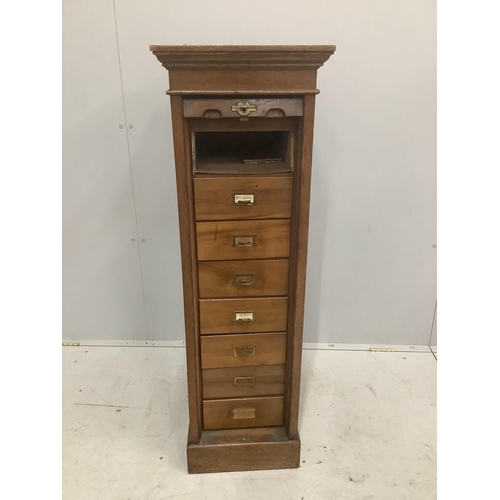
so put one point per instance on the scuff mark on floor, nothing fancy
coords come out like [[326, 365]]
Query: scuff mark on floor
[[370, 388], [111, 406]]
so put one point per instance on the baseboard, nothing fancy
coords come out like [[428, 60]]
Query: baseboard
[[306, 346], [365, 347], [125, 343]]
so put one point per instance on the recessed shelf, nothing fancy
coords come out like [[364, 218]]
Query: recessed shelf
[[241, 153]]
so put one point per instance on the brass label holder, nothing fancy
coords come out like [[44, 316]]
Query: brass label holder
[[243, 198], [243, 413], [243, 351], [244, 240], [244, 279], [243, 381], [244, 316]]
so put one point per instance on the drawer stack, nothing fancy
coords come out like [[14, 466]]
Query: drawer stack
[[243, 248]]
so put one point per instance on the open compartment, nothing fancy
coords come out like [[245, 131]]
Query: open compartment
[[242, 152]]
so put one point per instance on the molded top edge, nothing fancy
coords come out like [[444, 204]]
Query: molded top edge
[[243, 48], [201, 57]]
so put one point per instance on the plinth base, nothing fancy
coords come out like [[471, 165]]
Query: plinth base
[[243, 449]]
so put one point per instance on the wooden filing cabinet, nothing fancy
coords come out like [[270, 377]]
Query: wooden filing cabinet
[[242, 129]]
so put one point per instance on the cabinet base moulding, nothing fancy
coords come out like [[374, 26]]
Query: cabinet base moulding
[[243, 450]]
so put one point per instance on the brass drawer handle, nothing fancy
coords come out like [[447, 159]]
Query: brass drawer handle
[[244, 108], [244, 240], [244, 381], [244, 279], [243, 351], [244, 316], [242, 413], [243, 198]]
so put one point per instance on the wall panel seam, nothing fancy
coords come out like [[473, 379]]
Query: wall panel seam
[[130, 170], [432, 324]]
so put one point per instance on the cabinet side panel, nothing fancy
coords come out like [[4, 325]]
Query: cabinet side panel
[[300, 228], [188, 258]]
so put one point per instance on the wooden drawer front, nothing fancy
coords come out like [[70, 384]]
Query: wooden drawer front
[[240, 413], [243, 315], [256, 239], [248, 349], [243, 278], [256, 198], [243, 381], [223, 108]]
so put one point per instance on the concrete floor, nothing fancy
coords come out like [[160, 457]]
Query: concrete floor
[[368, 429]]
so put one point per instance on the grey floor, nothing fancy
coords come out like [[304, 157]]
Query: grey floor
[[367, 425]]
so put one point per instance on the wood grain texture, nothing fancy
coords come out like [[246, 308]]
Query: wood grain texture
[[221, 351], [229, 167], [256, 124], [241, 152], [265, 58], [224, 240], [275, 434], [217, 316], [219, 108], [242, 93], [189, 271], [300, 233], [248, 381], [220, 278], [214, 197], [232, 450], [241, 413], [245, 81]]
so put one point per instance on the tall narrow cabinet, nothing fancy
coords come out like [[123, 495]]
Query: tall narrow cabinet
[[243, 121]]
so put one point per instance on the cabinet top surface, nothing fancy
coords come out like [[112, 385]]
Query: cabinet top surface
[[242, 48]]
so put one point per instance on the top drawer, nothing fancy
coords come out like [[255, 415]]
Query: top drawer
[[241, 107], [232, 198]]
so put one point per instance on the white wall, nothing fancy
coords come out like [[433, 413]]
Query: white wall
[[371, 256]]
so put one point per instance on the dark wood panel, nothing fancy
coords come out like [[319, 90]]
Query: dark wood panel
[[214, 197], [257, 448], [241, 93], [300, 231], [235, 240], [244, 436], [242, 412], [243, 381], [243, 278], [248, 81], [256, 124], [259, 315], [248, 349], [265, 59], [225, 108], [189, 271]]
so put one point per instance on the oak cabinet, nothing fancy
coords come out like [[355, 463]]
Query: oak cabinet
[[242, 130]]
